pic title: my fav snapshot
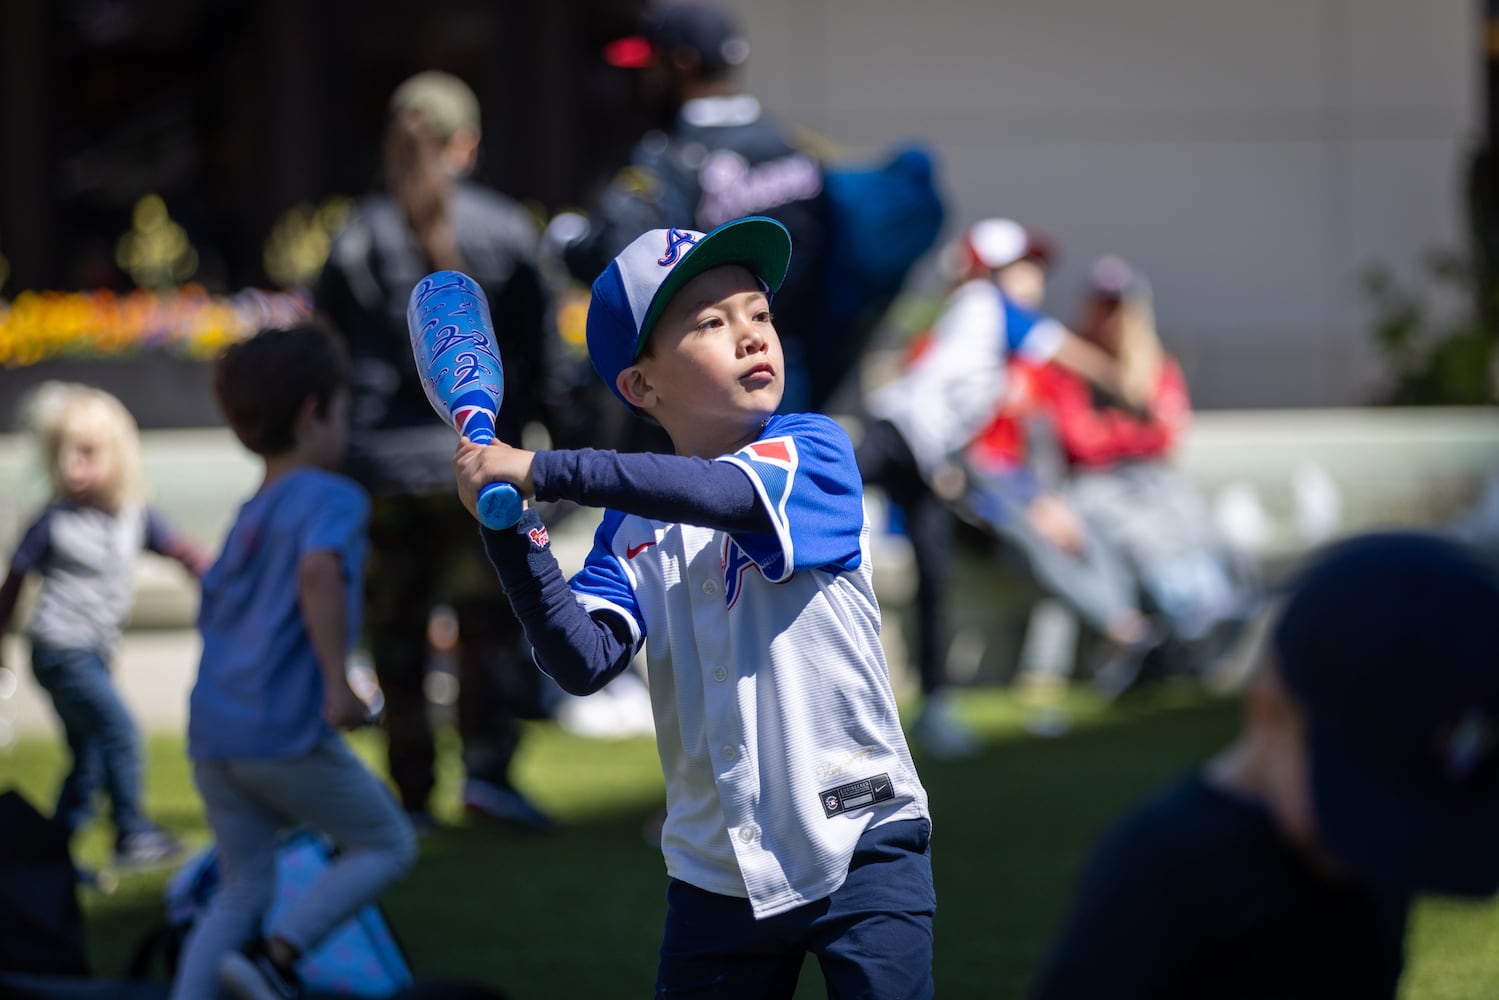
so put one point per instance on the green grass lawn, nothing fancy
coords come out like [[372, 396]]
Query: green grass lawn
[[578, 913]]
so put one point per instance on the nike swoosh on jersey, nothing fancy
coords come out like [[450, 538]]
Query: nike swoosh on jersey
[[631, 551]]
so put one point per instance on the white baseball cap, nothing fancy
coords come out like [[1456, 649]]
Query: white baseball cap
[[991, 244]]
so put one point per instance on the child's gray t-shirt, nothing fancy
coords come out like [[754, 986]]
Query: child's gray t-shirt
[[86, 558]]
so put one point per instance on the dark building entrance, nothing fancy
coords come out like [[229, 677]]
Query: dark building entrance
[[235, 111]]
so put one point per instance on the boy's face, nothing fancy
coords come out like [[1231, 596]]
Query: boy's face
[[714, 371]]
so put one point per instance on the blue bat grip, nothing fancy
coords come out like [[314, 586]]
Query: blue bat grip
[[499, 503], [499, 506]]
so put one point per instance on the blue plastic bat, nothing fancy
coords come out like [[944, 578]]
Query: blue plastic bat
[[452, 338]]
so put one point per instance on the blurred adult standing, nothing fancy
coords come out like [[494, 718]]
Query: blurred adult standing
[[423, 550]]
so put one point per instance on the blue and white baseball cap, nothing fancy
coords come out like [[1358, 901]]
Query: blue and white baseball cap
[[633, 291]]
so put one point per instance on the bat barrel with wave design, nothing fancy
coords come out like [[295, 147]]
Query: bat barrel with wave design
[[452, 338]]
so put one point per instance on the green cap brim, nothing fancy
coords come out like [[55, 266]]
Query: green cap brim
[[760, 244]]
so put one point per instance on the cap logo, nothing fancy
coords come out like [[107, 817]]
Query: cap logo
[[676, 239], [1470, 742]]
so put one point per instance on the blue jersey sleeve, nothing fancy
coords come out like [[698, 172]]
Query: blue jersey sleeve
[[659, 487], [604, 583], [803, 469]]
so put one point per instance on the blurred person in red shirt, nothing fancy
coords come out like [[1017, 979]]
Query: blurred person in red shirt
[[1120, 478], [1014, 473], [1119, 317], [949, 388]]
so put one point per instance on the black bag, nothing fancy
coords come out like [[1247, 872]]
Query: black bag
[[41, 923]]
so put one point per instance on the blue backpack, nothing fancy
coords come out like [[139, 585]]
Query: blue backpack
[[881, 220], [361, 958]]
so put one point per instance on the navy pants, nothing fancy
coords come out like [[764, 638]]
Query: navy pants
[[872, 938], [101, 734]]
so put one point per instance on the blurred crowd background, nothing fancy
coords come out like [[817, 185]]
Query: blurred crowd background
[[1293, 205], [1303, 181], [1305, 187]]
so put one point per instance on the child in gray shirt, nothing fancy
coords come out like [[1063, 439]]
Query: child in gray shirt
[[84, 546]]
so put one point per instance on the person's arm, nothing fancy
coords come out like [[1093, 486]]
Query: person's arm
[[1089, 362], [28, 555], [1153, 434], [1085, 359], [697, 491], [710, 494], [320, 595], [581, 652], [1040, 340], [10, 593], [1102, 435], [1057, 521], [161, 539]]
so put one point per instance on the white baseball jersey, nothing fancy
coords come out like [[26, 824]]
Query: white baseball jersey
[[777, 730], [947, 395]]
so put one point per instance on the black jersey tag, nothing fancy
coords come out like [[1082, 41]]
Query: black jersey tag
[[857, 794]]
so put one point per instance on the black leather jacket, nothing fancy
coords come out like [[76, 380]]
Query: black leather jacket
[[398, 445]]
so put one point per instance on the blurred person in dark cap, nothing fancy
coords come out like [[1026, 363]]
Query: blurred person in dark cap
[[423, 552], [1365, 774], [922, 421], [718, 156]]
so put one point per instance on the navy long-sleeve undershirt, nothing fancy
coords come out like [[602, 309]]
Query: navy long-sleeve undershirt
[[583, 652]]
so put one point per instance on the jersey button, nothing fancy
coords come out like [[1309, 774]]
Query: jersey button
[[729, 753], [720, 674], [710, 588], [747, 833]]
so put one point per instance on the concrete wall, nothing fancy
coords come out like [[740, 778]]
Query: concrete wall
[[1253, 158]]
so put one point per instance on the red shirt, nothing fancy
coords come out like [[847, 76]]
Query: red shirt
[[1097, 435], [1002, 444]]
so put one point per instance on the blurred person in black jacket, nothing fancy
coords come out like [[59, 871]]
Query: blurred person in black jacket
[[721, 157], [423, 551]]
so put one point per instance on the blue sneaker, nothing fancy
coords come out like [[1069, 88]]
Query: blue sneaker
[[941, 732]]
